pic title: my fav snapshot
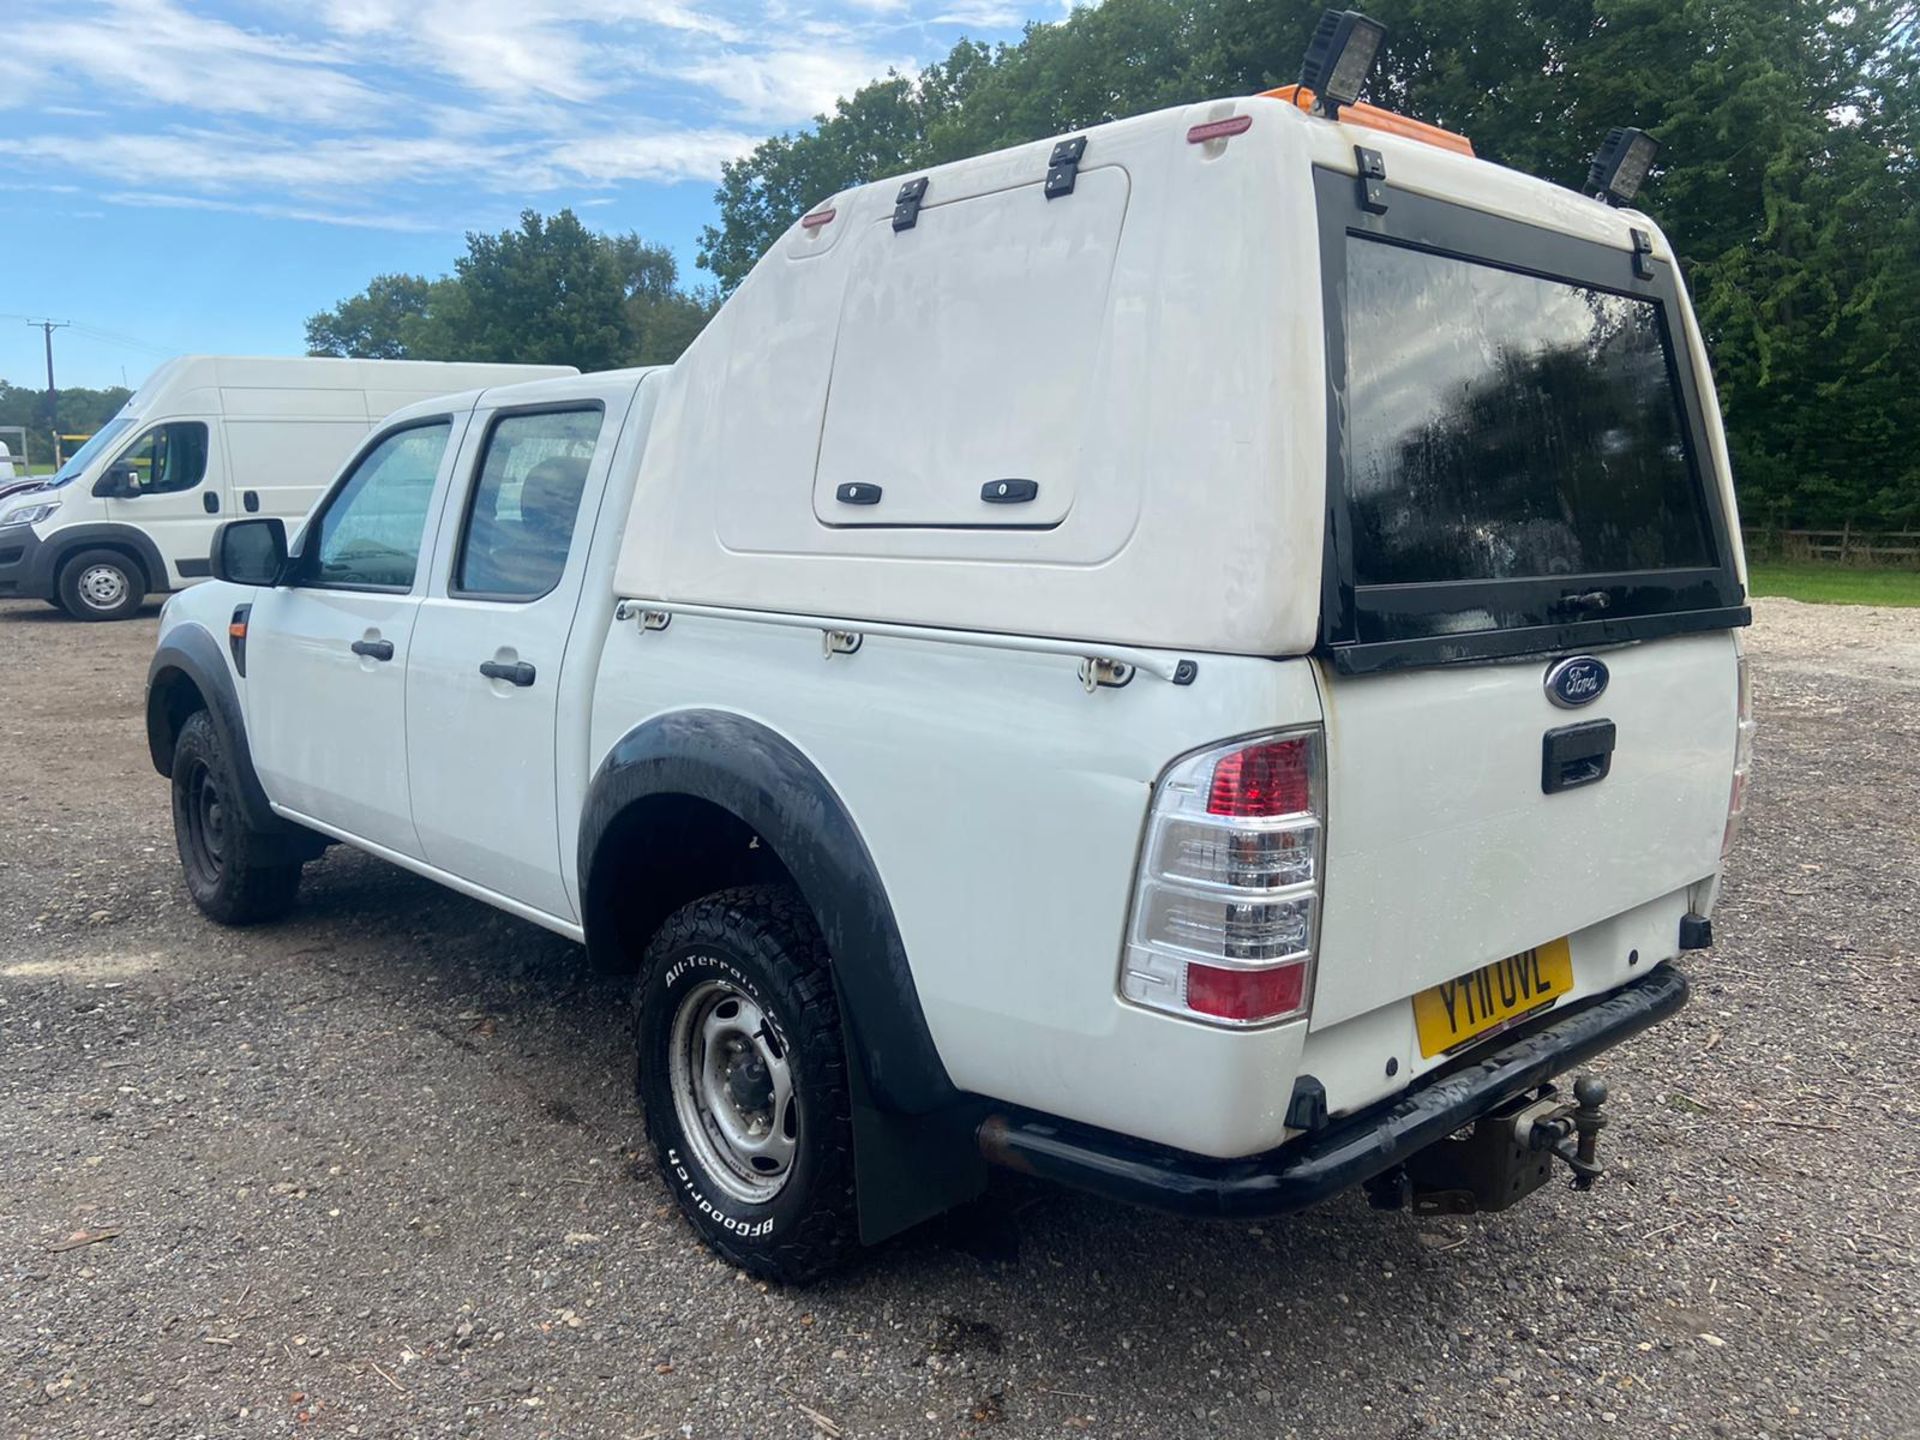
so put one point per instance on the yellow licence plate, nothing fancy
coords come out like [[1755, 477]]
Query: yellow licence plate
[[1454, 1012]]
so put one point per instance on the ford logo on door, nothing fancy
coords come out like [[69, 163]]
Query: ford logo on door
[[1578, 680]]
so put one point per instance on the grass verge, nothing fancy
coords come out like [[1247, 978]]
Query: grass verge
[[1836, 585]]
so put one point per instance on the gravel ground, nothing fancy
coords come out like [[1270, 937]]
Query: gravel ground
[[372, 1171]]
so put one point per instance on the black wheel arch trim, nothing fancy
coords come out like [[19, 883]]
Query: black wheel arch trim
[[62, 545], [765, 782], [190, 651]]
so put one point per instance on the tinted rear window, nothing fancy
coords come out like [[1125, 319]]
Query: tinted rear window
[[1507, 427]]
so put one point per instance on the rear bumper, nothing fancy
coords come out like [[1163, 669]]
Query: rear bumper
[[1316, 1167]]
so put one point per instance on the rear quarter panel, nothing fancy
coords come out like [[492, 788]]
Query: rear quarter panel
[[1003, 807]]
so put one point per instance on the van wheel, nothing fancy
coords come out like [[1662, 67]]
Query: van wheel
[[743, 1074], [101, 585], [219, 849]]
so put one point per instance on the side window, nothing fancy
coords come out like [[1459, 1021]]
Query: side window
[[169, 458], [368, 537], [520, 517]]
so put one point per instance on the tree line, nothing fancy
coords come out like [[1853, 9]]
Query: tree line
[[81, 412], [1789, 184]]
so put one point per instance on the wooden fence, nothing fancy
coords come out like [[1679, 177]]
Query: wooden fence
[[1899, 549]]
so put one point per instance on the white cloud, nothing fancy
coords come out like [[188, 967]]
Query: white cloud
[[652, 155], [788, 85], [152, 53], [162, 200], [367, 112]]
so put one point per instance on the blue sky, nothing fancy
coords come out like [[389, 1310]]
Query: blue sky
[[179, 176]]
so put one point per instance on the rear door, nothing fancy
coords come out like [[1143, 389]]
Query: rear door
[[1529, 675], [484, 675]]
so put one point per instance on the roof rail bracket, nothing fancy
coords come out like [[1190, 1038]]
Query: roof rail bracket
[[1373, 179], [906, 205], [1098, 670], [1063, 166]]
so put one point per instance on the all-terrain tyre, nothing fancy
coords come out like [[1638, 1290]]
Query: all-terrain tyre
[[101, 585], [743, 1074], [235, 874]]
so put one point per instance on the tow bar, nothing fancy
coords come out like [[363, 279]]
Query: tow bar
[[1505, 1156]]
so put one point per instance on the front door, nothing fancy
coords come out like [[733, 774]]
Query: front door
[[327, 652], [170, 483], [484, 676]]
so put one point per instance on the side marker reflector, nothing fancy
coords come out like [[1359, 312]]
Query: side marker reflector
[[817, 219]]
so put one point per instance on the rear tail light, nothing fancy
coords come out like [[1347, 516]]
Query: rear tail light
[[1226, 906], [1742, 748]]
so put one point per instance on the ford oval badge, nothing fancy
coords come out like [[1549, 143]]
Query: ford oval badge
[[1578, 680]]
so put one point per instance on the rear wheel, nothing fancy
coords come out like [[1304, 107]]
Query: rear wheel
[[101, 585], [221, 855], [743, 1075]]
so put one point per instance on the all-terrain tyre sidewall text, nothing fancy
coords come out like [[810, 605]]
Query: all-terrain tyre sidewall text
[[763, 942]]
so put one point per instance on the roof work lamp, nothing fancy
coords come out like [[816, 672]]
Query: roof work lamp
[[1342, 51], [1621, 164]]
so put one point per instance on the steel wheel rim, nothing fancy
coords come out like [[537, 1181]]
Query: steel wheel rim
[[206, 822], [732, 1088], [102, 587]]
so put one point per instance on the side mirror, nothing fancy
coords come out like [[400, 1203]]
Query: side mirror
[[250, 552], [120, 483]]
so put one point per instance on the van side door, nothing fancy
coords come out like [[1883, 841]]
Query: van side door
[[484, 673], [327, 648], [170, 483]]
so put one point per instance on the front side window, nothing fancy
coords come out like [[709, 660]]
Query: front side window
[[520, 519], [168, 458], [102, 439], [368, 537]]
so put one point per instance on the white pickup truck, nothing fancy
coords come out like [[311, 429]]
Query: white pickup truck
[[1197, 660]]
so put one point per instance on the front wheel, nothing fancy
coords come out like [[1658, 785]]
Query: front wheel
[[220, 851], [101, 585], [744, 1078]]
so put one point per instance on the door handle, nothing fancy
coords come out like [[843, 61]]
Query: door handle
[[250, 501], [518, 673], [374, 649], [210, 502]]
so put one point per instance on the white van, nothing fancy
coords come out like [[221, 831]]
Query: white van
[[207, 437], [1197, 660]]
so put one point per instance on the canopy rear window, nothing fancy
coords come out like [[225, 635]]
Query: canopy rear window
[[1515, 446]]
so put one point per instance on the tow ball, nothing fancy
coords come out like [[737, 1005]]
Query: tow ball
[[1505, 1156]]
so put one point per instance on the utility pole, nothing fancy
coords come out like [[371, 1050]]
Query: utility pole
[[46, 328]]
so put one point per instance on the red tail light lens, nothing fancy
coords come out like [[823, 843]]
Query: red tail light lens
[[1263, 781], [1246, 994], [1226, 906]]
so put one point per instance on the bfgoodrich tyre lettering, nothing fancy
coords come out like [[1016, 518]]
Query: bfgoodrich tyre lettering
[[743, 1075]]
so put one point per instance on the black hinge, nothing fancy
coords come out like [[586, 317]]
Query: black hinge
[[1063, 166], [1642, 254], [906, 205], [1373, 180]]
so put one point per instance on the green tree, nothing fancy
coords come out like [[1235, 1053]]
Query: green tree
[[376, 324], [550, 291]]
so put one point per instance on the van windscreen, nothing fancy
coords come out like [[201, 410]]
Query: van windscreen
[[1505, 427]]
